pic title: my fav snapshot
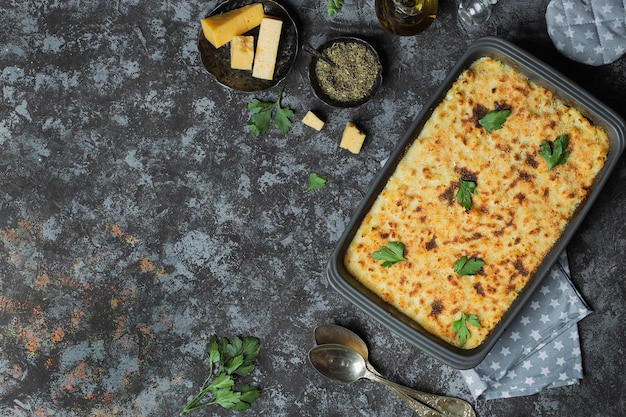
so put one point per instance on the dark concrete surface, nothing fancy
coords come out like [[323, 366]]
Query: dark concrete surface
[[138, 217]]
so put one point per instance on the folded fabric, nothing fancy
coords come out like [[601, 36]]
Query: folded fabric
[[592, 32], [541, 349]]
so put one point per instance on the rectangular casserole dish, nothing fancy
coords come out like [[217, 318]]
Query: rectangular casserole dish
[[544, 76]]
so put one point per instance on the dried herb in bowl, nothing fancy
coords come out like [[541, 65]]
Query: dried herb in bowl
[[355, 75]]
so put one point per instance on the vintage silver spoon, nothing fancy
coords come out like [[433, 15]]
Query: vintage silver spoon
[[448, 406], [343, 364]]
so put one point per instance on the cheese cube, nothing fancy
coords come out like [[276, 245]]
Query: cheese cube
[[310, 119], [267, 48], [352, 138], [242, 52], [221, 28]]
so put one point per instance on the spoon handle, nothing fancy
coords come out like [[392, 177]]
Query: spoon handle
[[448, 406], [438, 404], [420, 408], [308, 48]]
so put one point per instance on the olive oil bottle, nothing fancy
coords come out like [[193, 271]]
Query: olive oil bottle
[[406, 17]]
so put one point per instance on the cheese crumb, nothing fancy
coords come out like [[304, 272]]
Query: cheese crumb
[[312, 120], [352, 138]]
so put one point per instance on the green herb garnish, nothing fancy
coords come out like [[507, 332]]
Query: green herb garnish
[[333, 7], [468, 266], [464, 194], [494, 120], [315, 182], [259, 122], [460, 327], [227, 359], [390, 254], [554, 154]]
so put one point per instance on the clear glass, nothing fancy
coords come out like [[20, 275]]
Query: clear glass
[[475, 12], [406, 17]]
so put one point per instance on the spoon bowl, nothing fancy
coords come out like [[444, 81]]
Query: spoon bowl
[[338, 362], [332, 333]]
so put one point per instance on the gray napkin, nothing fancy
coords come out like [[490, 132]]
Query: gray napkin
[[589, 31], [540, 349]]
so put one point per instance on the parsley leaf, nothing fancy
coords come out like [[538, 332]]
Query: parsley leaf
[[464, 194], [223, 381], [555, 154], [259, 122], [390, 254], [494, 120], [333, 7], [227, 398], [226, 360], [460, 327], [282, 119], [248, 395], [213, 352], [315, 182], [465, 266]]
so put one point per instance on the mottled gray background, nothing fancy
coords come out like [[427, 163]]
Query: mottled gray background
[[138, 217]]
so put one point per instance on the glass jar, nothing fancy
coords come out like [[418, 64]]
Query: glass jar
[[475, 12]]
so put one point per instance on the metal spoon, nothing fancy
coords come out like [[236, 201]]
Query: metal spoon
[[343, 364], [448, 406]]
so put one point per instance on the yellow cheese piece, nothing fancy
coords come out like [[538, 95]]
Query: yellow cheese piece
[[310, 119], [267, 48], [242, 52], [221, 28], [352, 138]]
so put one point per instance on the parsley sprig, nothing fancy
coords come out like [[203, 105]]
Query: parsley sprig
[[464, 193], [555, 154], [494, 120], [468, 266], [315, 182], [333, 7], [460, 327], [390, 254], [227, 359], [259, 122]]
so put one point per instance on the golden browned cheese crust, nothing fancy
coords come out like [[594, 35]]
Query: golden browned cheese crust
[[519, 210]]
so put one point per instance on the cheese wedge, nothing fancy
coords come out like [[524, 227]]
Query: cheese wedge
[[221, 28], [267, 48], [310, 119], [352, 138], [242, 52]]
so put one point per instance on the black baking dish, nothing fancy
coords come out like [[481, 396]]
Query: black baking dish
[[543, 75]]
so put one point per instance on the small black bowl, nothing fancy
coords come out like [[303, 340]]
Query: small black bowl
[[315, 82]]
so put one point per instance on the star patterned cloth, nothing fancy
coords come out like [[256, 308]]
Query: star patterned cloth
[[592, 32], [540, 349]]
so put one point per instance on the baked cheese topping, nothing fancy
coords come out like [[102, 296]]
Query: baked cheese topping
[[517, 214]]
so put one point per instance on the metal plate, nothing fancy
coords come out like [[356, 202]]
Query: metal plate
[[537, 72], [217, 60]]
